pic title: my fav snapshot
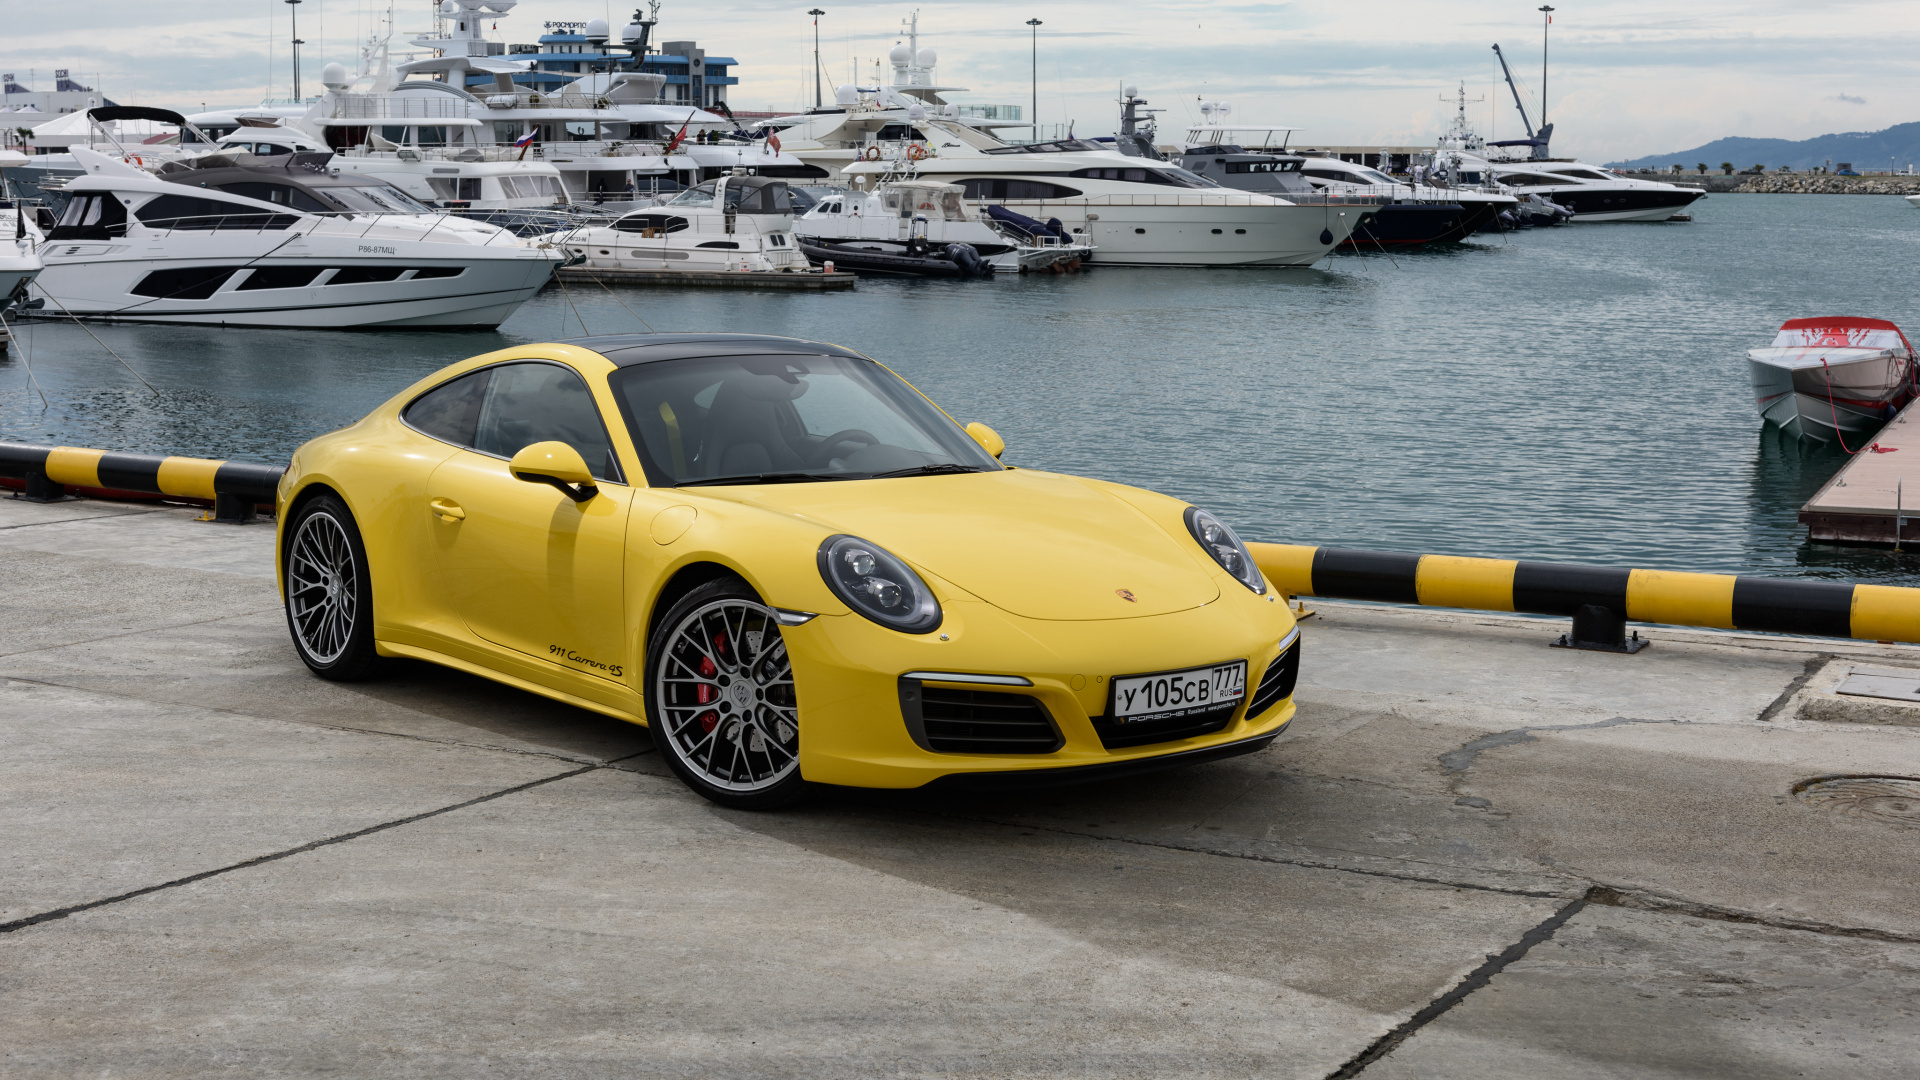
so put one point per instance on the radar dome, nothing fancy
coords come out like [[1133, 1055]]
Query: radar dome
[[846, 94], [927, 57], [1206, 108], [916, 111], [596, 30], [900, 55], [950, 110], [334, 77], [449, 8], [1225, 107], [632, 33], [1133, 91], [501, 6]]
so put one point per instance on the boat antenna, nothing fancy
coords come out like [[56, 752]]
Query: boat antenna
[[1547, 13]]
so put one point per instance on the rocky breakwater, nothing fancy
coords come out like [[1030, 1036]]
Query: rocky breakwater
[[1818, 184]]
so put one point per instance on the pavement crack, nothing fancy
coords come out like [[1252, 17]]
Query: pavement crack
[[1462, 759], [1813, 665], [1306, 864], [349, 729], [142, 630], [1475, 979], [1642, 900], [61, 913]]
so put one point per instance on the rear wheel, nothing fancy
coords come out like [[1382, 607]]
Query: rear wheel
[[721, 699], [329, 592]]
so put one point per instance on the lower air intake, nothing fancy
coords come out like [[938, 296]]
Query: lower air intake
[[953, 721], [1277, 685]]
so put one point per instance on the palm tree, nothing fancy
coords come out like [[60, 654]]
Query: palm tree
[[1727, 167], [1703, 168]]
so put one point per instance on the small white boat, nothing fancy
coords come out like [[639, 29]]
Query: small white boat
[[19, 263], [907, 221], [1833, 375], [733, 223], [1914, 201]]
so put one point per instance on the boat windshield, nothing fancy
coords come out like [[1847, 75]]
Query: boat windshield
[[1374, 176], [384, 199], [785, 419]]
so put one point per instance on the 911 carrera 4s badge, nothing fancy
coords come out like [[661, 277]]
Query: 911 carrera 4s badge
[[564, 653], [1178, 693], [1127, 595]]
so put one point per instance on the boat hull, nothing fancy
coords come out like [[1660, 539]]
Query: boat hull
[[1412, 223], [1198, 230], [482, 294], [1861, 396]]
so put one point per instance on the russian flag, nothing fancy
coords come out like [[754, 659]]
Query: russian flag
[[525, 140]]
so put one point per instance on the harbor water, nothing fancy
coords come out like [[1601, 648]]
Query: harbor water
[[1574, 394]]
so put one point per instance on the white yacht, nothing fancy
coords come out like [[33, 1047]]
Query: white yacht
[[872, 121], [1593, 193], [274, 247], [903, 220], [1137, 211], [734, 223]]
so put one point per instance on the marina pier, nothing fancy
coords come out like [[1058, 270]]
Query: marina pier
[[208, 838]]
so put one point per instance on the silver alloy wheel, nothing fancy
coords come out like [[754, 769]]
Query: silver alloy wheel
[[725, 695], [323, 587]]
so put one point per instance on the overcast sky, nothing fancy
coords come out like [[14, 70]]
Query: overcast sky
[[1629, 77]]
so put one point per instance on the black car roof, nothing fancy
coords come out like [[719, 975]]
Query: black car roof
[[628, 349]]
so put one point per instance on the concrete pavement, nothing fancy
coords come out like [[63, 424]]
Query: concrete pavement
[[1473, 855]]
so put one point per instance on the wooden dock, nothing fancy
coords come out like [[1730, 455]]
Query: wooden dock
[[1866, 502], [710, 279]]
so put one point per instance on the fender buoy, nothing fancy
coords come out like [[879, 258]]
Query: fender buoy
[[916, 152], [872, 154]]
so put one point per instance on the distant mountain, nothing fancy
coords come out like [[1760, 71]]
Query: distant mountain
[[1864, 149]]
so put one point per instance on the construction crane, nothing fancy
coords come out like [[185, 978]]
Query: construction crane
[[1536, 139]]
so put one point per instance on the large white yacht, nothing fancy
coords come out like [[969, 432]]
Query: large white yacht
[[1136, 211], [872, 121], [274, 247], [1593, 193]]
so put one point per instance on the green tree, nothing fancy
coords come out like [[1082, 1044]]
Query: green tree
[[1703, 168], [1727, 167]]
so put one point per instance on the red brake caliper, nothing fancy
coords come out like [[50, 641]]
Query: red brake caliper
[[705, 693]]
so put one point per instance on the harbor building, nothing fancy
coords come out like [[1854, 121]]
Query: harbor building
[[68, 95], [565, 53]]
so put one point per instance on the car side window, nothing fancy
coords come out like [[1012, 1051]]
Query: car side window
[[529, 403], [451, 411]]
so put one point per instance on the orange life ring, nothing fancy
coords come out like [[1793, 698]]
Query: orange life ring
[[916, 152], [872, 154], [134, 159]]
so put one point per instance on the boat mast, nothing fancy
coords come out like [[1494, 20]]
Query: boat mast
[[1547, 13]]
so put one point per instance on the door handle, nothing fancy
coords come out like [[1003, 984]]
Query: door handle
[[446, 510]]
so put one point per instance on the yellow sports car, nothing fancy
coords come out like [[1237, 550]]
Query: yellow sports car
[[785, 561]]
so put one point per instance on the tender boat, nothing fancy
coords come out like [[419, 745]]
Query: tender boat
[[19, 263], [924, 229], [733, 223], [1832, 377], [275, 246]]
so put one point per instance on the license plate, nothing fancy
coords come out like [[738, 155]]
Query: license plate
[[1178, 693]]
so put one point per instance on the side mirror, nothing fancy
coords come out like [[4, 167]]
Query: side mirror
[[555, 463], [989, 439]]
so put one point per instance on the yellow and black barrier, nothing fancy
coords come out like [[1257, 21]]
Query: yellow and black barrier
[[233, 487], [1600, 599]]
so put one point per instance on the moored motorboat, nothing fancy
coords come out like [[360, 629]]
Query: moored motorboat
[[735, 223], [1831, 377], [926, 229]]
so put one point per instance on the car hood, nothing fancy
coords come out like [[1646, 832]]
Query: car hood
[[1039, 545]]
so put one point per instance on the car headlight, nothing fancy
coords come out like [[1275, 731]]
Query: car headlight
[[1226, 549], [871, 581]]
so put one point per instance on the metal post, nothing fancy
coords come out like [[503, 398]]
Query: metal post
[[1034, 105], [1547, 12], [816, 13], [294, 9]]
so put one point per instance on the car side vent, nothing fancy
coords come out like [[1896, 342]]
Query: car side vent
[[1277, 684], [947, 720]]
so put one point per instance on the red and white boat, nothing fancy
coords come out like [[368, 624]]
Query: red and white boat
[[1836, 374]]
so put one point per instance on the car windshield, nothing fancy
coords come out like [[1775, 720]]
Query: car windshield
[[778, 419]]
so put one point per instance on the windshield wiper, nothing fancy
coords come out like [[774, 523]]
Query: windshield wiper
[[768, 478], [930, 470]]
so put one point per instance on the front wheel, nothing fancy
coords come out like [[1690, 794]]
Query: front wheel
[[329, 592], [721, 700]]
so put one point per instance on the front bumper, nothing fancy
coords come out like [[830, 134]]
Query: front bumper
[[849, 675]]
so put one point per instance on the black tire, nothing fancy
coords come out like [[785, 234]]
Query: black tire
[[329, 592], [721, 703]]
